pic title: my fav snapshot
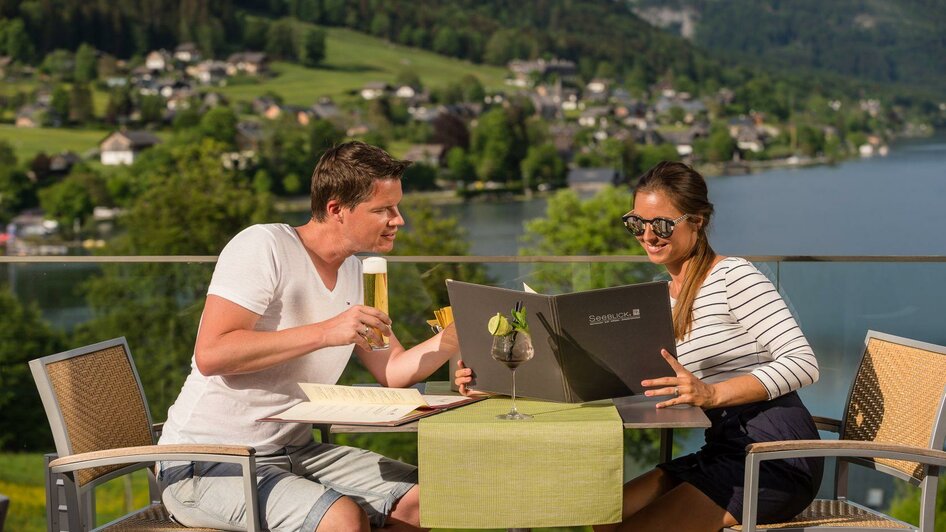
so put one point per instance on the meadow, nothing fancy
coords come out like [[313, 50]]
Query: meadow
[[27, 142], [353, 59]]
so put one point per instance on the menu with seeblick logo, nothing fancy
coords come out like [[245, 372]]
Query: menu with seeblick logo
[[590, 345]]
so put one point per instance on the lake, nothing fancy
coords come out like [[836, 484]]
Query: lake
[[889, 205]]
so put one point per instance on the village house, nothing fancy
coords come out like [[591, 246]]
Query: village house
[[589, 181], [62, 163], [187, 53], [122, 147], [158, 61], [325, 109], [374, 90], [525, 72], [250, 63], [208, 72], [429, 154], [597, 90], [595, 117], [31, 115]]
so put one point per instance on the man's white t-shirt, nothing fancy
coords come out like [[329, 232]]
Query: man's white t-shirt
[[267, 270]]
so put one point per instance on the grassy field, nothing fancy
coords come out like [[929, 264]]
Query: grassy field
[[29, 141], [21, 479], [353, 59]]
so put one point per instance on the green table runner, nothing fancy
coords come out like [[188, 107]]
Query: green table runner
[[563, 468]]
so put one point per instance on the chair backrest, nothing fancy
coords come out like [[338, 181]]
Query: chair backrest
[[94, 401], [897, 397]]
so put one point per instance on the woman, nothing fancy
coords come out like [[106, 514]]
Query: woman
[[740, 357]]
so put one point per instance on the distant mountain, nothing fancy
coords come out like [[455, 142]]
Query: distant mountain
[[901, 41]]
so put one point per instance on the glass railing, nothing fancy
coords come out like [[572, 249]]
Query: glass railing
[[156, 303]]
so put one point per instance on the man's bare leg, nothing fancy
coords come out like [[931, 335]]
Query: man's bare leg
[[344, 515], [405, 516]]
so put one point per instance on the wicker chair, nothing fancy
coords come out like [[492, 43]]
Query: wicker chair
[[893, 423], [102, 427]]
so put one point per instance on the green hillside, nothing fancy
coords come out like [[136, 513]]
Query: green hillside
[[869, 40], [29, 141], [353, 59]]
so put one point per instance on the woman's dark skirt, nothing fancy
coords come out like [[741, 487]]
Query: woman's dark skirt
[[786, 487]]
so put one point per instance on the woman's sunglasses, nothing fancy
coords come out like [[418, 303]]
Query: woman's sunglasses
[[662, 227]]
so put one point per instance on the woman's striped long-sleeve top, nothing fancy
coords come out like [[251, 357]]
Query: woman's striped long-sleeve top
[[741, 325]]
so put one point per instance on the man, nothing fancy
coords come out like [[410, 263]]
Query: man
[[282, 308]]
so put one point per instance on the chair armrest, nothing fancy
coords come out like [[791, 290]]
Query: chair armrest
[[778, 450], [827, 423], [151, 453], [237, 454]]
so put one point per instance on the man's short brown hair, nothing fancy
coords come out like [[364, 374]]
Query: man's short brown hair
[[347, 173]]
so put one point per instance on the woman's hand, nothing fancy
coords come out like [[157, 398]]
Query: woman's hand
[[685, 388], [463, 377]]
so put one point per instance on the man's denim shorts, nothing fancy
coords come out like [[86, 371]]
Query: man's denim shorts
[[296, 487]]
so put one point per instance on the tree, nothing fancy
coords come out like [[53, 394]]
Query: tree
[[23, 336], [498, 144], [473, 90], [322, 136], [314, 47], [651, 155], [719, 146], [17, 191], [447, 42], [220, 124], [80, 103], [460, 167], [59, 104], [255, 31], [18, 44], [59, 64], [280, 40], [542, 165], [450, 131], [119, 106], [419, 176], [381, 25], [590, 227], [152, 108], [73, 198], [86, 64]]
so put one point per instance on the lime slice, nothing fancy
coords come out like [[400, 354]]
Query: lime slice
[[498, 325]]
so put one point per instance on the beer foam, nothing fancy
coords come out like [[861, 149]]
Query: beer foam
[[375, 265]]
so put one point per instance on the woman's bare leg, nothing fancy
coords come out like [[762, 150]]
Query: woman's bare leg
[[656, 502]]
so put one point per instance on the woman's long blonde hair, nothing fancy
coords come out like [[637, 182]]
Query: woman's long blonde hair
[[686, 189]]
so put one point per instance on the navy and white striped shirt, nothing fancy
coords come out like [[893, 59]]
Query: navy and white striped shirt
[[741, 325]]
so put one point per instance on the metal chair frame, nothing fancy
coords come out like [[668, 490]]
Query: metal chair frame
[[861, 452], [78, 495]]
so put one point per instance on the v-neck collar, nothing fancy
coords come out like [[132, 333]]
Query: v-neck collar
[[307, 256]]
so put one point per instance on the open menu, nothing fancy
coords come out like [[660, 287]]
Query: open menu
[[589, 345], [365, 405]]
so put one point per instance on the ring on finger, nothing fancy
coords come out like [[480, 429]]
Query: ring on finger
[[366, 331], [676, 390]]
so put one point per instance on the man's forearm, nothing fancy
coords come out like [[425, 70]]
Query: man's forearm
[[411, 366], [246, 351]]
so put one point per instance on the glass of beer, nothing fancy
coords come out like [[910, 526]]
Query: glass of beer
[[376, 295]]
